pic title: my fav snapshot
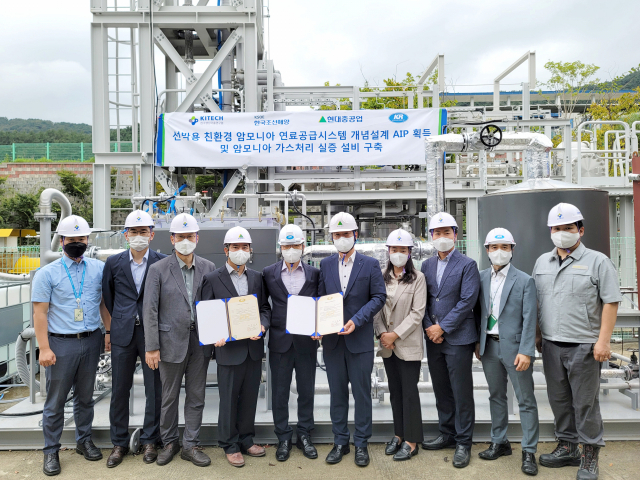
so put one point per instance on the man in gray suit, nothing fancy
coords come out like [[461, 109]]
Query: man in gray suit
[[172, 289], [508, 310]]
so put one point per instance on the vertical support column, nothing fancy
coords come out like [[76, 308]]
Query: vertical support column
[[355, 105], [269, 105], [635, 168], [472, 229], [48, 157], [100, 89], [82, 151], [567, 138], [613, 217], [171, 81], [626, 234], [102, 196], [251, 104], [435, 102], [147, 180], [147, 92], [526, 104]]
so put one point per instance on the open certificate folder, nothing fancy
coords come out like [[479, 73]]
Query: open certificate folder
[[228, 319], [315, 316]]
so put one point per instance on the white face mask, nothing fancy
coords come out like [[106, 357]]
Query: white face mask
[[443, 244], [292, 255], [398, 259], [239, 257], [344, 244], [565, 239], [139, 243], [185, 247], [500, 257]]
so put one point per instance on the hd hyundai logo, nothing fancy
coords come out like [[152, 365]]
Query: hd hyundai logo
[[398, 117]]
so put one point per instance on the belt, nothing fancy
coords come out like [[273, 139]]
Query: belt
[[493, 337], [192, 326], [138, 322], [72, 335]]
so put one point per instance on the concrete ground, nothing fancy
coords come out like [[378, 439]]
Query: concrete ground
[[618, 461]]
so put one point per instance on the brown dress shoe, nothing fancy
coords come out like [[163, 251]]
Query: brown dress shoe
[[235, 459], [149, 453], [256, 451], [116, 456]]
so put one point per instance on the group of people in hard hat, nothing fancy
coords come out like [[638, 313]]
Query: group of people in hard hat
[[567, 310]]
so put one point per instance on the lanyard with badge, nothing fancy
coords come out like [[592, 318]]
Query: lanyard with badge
[[493, 320], [78, 315]]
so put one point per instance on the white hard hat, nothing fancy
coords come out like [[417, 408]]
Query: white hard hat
[[138, 218], [442, 219], [399, 238], [237, 235], [499, 235], [564, 214], [342, 222], [291, 235], [73, 226], [184, 223]]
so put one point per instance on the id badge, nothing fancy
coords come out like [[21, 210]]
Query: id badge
[[78, 315]]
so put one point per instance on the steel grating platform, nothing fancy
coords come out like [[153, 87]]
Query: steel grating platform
[[621, 421]]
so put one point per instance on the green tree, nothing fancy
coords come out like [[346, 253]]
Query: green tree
[[79, 191], [570, 79]]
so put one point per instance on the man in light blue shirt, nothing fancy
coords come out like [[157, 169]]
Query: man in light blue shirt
[[442, 265], [67, 304]]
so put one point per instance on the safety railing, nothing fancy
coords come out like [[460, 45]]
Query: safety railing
[[17, 260], [15, 313], [56, 151]]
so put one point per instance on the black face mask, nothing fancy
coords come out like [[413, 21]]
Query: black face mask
[[75, 249]]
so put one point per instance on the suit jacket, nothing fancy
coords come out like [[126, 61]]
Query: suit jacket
[[217, 285], [167, 316], [451, 304], [405, 320], [121, 296], [364, 297], [279, 341], [517, 317]]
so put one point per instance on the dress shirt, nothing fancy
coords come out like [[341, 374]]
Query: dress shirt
[[442, 265], [294, 280], [497, 284], [239, 281], [138, 269], [344, 269], [187, 276], [51, 285]]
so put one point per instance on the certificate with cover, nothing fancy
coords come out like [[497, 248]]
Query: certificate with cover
[[228, 319], [244, 317], [315, 316]]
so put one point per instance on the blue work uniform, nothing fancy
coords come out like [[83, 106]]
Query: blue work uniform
[[75, 339]]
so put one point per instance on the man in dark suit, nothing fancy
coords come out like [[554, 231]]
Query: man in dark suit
[[289, 277], [123, 292], [172, 289], [239, 361], [453, 283], [348, 355]]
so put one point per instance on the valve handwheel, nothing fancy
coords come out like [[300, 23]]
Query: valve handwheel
[[491, 136]]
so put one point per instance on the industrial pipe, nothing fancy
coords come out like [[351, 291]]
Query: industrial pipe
[[21, 356], [49, 251]]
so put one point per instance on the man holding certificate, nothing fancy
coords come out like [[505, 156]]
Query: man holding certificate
[[348, 355], [286, 278], [239, 357]]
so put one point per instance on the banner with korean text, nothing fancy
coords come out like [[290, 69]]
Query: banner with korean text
[[315, 138]]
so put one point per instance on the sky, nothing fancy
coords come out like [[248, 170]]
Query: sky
[[45, 60]]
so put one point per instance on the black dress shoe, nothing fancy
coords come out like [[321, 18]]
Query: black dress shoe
[[443, 441], [336, 453], [89, 450], [566, 454], [529, 465], [116, 456], [167, 453], [51, 464], [362, 456], [393, 446], [405, 452], [282, 453], [149, 453], [496, 450], [462, 456], [308, 449]]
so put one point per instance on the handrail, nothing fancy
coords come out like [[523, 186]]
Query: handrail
[[626, 128]]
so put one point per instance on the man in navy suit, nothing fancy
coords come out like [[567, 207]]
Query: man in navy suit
[[348, 355], [123, 291], [453, 283], [289, 277]]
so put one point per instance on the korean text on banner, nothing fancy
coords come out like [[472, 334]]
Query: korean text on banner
[[268, 139]]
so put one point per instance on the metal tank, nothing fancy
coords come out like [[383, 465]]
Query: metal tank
[[524, 213]]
